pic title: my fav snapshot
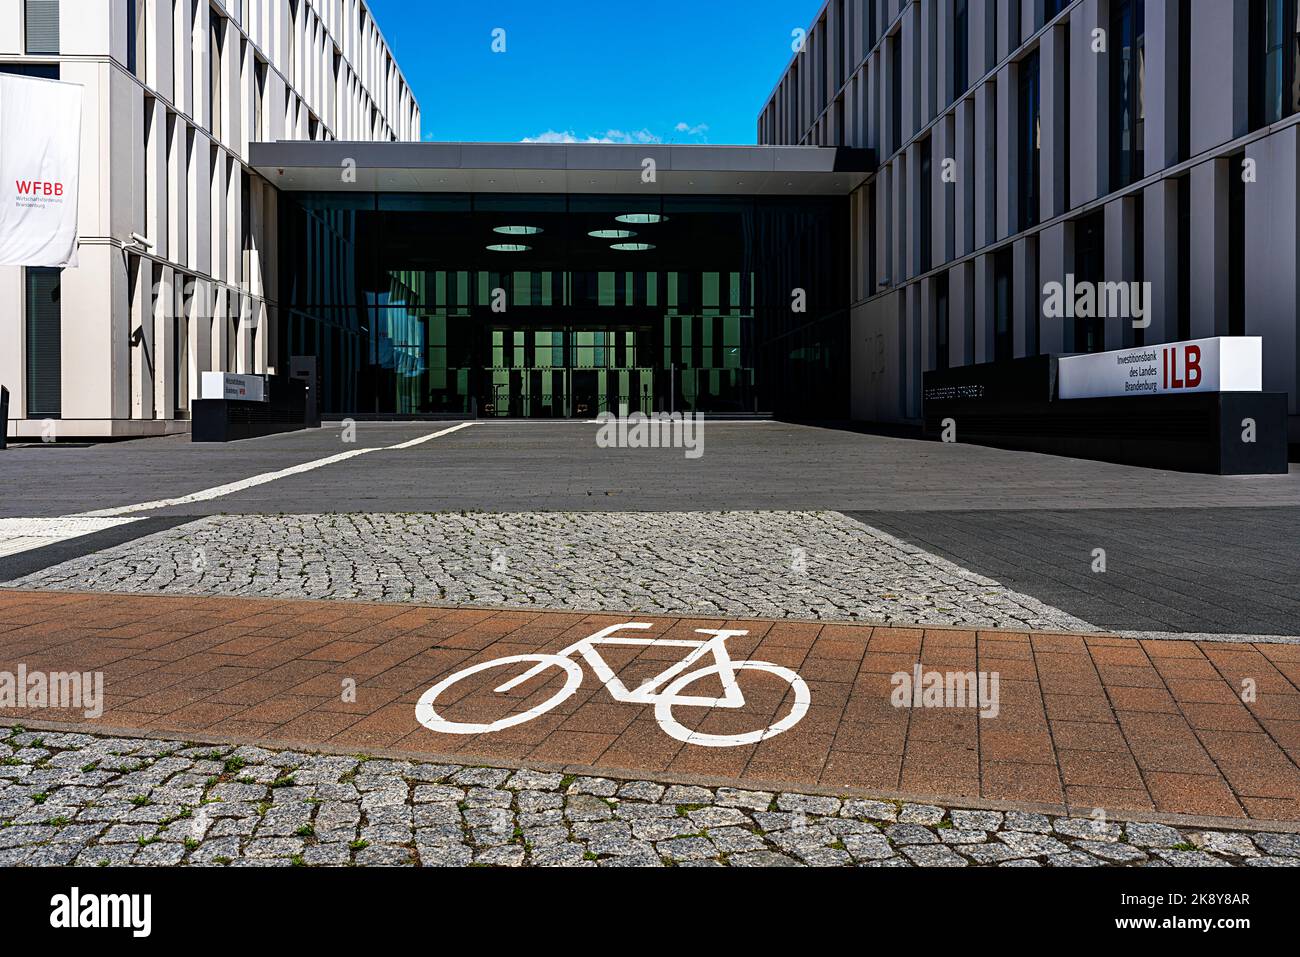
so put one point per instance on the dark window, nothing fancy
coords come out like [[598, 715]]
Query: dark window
[[214, 75], [1184, 258], [44, 344], [1236, 246], [869, 27], [1139, 257], [871, 238], [259, 96], [837, 60], [1090, 267], [1064, 202], [896, 91], [990, 35], [941, 321], [130, 35], [819, 68], [926, 204], [136, 34], [1274, 49], [1003, 306], [46, 71], [1184, 84], [1030, 143], [42, 26], [1127, 80], [960, 48]]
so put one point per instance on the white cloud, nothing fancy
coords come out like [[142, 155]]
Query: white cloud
[[698, 130], [636, 137]]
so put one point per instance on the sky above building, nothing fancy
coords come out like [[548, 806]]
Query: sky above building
[[679, 71]]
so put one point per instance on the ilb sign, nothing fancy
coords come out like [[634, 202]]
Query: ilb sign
[[231, 387], [1223, 364]]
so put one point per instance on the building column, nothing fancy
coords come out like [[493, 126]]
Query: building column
[[961, 300], [977, 13], [96, 336], [1160, 143], [1220, 74], [1026, 301], [13, 293], [965, 187], [1209, 249], [1053, 56], [1055, 256], [164, 336], [984, 326], [928, 68], [1089, 130], [1007, 149], [898, 202], [985, 165], [912, 210], [942, 221], [1121, 264], [943, 54], [911, 341], [1160, 259], [928, 353]]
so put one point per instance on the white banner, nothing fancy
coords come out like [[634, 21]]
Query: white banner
[[40, 157], [1223, 364]]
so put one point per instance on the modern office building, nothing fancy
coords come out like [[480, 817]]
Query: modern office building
[[1021, 141], [178, 265], [924, 171]]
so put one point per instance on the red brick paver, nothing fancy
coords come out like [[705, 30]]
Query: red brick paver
[[1084, 721]]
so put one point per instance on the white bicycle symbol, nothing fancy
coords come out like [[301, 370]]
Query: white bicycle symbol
[[672, 682]]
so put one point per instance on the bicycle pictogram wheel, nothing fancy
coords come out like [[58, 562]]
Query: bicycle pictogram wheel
[[429, 717]]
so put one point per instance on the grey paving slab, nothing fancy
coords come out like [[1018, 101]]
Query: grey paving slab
[[527, 466], [1202, 571]]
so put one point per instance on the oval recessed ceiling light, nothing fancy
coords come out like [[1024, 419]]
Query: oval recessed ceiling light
[[508, 248], [642, 218], [611, 234], [517, 230], [632, 247]]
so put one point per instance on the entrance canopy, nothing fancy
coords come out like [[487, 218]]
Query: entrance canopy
[[562, 168]]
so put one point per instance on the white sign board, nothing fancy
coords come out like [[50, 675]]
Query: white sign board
[[238, 388], [1224, 364], [40, 157]]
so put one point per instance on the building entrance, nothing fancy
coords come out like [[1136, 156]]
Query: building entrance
[[568, 371]]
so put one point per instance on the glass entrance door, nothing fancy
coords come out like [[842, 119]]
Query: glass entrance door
[[567, 373], [527, 377]]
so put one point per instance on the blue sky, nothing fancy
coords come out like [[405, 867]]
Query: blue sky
[[622, 70]]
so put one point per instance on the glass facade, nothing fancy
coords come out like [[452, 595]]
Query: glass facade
[[555, 306]]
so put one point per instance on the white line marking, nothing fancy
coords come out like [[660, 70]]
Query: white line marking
[[18, 535], [428, 438], [206, 495]]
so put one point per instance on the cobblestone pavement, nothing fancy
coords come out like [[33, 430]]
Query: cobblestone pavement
[[90, 800], [810, 565]]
